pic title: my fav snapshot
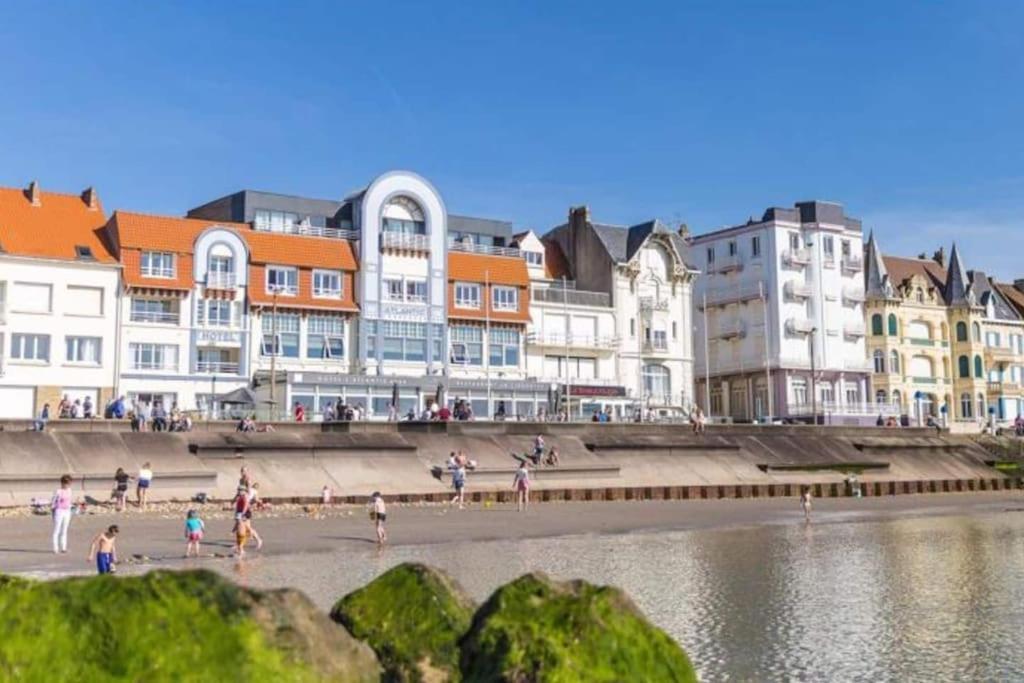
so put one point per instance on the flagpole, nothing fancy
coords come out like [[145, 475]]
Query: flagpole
[[488, 299], [767, 353], [707, 361]]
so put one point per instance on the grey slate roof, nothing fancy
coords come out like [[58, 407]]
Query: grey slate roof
[[958, 287], [622, 244], [876, 276], [985, 292]]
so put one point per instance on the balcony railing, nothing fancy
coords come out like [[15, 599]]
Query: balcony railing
[[309, 230], [474, 248], [217, 366], [799, 326], [655, 346], [404, 240], [797, 290], [163, 273], [164, 317], [836, 408], [852, 264], [853, 295], [721, 296], [728, 264], [853, 329], [1000, 354], [152, 365], [796, 257], [1004, 387], [574, 297], [220, 281], [731, 329], [586, 341]]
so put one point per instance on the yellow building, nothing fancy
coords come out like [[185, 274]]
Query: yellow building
[[943, 342]]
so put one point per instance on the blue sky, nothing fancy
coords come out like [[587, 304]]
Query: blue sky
[[909, 113]]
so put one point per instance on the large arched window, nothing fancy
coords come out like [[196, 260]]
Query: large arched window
[[897, 400], [894, 362], [979, 367], [657, 383], [879, 357], [880, 397], [921, 366], [976, 332], [965, 405], [894, 328], [964, 367], [981, 405], [961, 332], [402, 214]]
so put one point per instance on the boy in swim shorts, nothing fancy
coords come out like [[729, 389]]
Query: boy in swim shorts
[[103, 550]]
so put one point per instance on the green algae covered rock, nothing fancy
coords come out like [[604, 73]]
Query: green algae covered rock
[[412, 616], [534, 629], [170, 626]]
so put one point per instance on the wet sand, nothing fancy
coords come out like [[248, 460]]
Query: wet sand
[[25, 541]]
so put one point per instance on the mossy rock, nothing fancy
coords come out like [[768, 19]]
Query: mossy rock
[[535, 629], [171, 626], [412, 616]]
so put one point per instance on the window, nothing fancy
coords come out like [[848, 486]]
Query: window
[[964, 366], [632, 327], [325, 337], [877, 328], [32, 347], [505, 298], [732, 248], [711, 255], [574, 367], [828, 247], [83, 301], [393, 289], [657, 383], [534, 258], [897, 399], [799, 392], [83, 350], [214, 312], [467, 345], [84, 253], [153, 311], [880, 397], [675, 330], [755, 246], [979, 367], [844, 249], [416, 291], [31, 297], [894, 362], [153, 357], [976, 332], [504, 346], [406, 227], [282, 280], [157, 264], [275, 221], [280, 335], [965, 405], [879, 359], [658, 338], [327, 284], [981, 405], [404, 341], [961, 333], [467, 295], [893, 325], [794, 240], [852, 396]]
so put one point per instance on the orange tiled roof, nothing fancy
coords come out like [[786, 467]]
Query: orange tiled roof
[[501, 270], [298, 250], [54, 228], [161, 233], [258, 294]]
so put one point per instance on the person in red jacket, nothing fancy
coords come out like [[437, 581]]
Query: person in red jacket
[[300, 412]]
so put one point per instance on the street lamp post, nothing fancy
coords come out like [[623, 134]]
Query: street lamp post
[[814, 382], [275, 290]]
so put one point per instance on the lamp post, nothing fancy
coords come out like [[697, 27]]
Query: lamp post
[[274, 291], [814, 382]]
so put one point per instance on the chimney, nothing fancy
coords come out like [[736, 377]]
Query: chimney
[[1018, 285], [579, 216], [684, 231], [33, 193], [940, 257], [922, 256], [91, 199]]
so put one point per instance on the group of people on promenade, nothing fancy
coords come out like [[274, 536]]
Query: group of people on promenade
[[140, 414]]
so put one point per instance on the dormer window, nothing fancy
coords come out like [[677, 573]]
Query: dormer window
[[534, 258], [157, 264], [84, 253]]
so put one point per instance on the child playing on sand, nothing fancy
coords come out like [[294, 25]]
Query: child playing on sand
[[194, 529], [103, 550], [241, 536], [379, 515], [521, 486]]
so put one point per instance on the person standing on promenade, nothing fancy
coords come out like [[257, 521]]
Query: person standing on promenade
[[379, 515], [60, 505], [459, 484], [142, 485], [521, 486], [104, 551], [805, 503]]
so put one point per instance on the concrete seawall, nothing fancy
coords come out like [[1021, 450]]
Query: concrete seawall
[[599, 461]]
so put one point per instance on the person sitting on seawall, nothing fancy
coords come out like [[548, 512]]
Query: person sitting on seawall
[[552, 460], [64, 407], [880, 422], [39, 424], [159, 418], [88, 409]]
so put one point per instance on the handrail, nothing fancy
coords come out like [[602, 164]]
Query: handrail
[[309, 231], [474, 248]]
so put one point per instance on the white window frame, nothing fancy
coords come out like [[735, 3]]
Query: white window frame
[[320, 292], [23, 341], [755, 246], [220, 305], [163, 272], [165, 353], [534, 258], [291, 273], [462, 290], [504, 298], [73, 348]]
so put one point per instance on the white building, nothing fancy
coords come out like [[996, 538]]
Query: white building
[[642, 273], [58, 302], [781, 294]]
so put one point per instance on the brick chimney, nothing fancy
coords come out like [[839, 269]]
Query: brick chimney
[[1018, 285], [579, 216], [940, 257], [35, 197], [91, 199]]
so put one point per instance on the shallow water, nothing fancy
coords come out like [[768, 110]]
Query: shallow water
[[935, 599]]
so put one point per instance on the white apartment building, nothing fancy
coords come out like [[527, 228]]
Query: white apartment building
[[644, 272], [776, 297], [58, 302]]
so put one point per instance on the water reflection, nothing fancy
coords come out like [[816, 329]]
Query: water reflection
[[915, 599]]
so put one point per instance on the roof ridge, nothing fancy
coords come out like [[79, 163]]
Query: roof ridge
[[69, 195], [176, 218]]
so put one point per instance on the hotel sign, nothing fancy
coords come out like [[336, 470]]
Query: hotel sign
[[589, 390]]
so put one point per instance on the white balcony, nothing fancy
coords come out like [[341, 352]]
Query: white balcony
[[799, 326], [211, 367], [405, 241], [307, 230], [722, 296], [795, 290], [853, 329], [648, 304], [863, 365], [474, 248], [655, 346], [731, 329], [157, 317], [837, 408], [578, 341], [728, 264], [852, 263], [796, 257], [853, 295], [220, 281], [166, 366]]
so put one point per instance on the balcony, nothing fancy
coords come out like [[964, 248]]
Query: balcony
[[796, 257], [158, 317], [795, 290], [404, 241], [308, 230], [220, 281], [853, 295], [570, 296], [723, 296], [578, 341], [852, 263], [731, 329], [152, 365], [654, 346], [999, 355], [649, 304], [1004, 388], [210, 367], [863, 365], [729, 264], [853, 329], [799, 326], [474, 248]]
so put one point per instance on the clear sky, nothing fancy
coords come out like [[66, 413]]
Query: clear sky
[[909, 113]]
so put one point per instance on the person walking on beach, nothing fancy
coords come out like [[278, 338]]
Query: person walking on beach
[[194, 529], [379, 515], [459, 484], [254, 502], [121, 479], [521, 486], [60, 505], [805, 503], [241, 536], [142, 485], [104, 551]]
